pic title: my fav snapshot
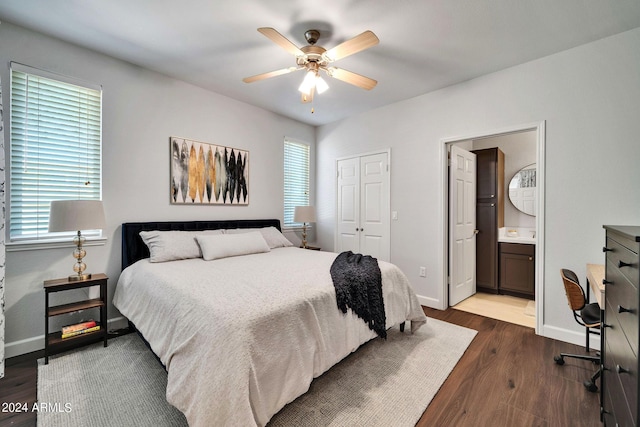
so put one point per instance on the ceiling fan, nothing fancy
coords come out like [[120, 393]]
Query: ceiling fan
[[315, 58]]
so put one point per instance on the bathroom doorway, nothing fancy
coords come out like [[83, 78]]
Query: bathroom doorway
[[523, 147]]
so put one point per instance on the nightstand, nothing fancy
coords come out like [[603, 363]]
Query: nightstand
[[54, 343], [312, 248]]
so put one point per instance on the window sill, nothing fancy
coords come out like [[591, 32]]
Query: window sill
[[32, 245]]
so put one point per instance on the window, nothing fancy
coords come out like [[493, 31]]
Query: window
[[296, 179], [55, 148]]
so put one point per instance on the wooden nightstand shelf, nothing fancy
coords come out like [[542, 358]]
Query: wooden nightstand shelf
[[53, 341]]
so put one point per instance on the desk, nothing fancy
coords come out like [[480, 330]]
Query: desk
[[595, 280]]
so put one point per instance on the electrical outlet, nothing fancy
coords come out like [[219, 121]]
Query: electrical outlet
[[423, 272], [394, 215]]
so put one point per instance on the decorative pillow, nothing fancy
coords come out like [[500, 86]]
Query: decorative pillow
[[273, 237], [173, 245], [228, 245]]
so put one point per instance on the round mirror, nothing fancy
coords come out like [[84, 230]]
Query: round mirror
[[522, 190]]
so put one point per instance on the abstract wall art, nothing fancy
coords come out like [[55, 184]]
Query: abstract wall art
[[208, 174]]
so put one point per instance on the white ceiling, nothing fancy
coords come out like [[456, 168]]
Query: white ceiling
[[424, 45]]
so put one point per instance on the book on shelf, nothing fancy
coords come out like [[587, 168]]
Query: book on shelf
[[81, 332], [78, 326]]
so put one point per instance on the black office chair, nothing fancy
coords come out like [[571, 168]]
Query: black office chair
[[587, 315]]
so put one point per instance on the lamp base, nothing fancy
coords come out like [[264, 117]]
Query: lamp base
[[79, 277]]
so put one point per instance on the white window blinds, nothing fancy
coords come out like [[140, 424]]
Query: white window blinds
[[55, 148], [296, 179]]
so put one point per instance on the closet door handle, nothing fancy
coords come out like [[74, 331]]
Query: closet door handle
[[607, 282], [606, 249], [623, 264]]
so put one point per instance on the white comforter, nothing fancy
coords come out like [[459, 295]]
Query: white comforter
[[241, 337]]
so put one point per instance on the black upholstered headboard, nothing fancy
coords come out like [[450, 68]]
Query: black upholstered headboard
[[134, 249]]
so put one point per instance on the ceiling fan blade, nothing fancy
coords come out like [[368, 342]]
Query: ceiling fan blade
[[354, 45], [270, 74], [281, 41], [352, 78]]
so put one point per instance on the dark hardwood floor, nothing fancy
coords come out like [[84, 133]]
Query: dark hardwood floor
[[507, 377], [19, 385]]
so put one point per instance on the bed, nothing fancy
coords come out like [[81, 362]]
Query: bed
[[242, 336]]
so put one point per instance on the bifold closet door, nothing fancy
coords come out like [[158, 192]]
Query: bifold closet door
[[363, 205]]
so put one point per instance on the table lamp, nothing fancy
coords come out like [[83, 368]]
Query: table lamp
[[304, 214], [77, 215]]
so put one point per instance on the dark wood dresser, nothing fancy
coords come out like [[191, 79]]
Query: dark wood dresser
[[620, 361]]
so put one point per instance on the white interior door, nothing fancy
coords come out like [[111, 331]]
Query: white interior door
[[374, 206], [363, 205], [348, 217], [462, 225]]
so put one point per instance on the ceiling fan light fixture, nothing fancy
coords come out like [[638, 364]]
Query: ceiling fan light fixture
[[321, 85], [308, 83]]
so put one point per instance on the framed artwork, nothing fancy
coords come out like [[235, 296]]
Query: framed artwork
[[208, 174]]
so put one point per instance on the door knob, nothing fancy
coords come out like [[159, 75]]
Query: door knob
[[476, 231]]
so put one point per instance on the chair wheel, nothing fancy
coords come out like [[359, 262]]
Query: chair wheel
[[559, 360], [590, 386]]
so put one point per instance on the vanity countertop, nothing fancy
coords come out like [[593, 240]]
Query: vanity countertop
[[517, 235], [517, 239]]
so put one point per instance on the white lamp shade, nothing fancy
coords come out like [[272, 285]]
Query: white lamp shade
[[76, 215], [308, 83], [321, 85], [304, 214]]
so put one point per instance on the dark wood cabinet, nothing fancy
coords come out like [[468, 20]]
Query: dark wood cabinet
[[489, 216], [620, 388], [517, 269], [486, 256]]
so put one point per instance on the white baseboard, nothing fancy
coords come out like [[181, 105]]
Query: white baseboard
[[28, 345], [572, 337], [429, 302]]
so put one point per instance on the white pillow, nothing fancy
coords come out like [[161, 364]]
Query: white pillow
[[228, 245], [273, 237], [173, 245]]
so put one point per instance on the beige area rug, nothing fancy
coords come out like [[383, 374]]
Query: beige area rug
[[382, 384]]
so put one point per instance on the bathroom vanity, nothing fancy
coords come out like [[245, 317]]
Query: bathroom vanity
[[517, 269]]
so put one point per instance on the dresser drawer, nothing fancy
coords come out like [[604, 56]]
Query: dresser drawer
[[620, 402], [614, 416], [625, 259], [621, 363], [621, 294]]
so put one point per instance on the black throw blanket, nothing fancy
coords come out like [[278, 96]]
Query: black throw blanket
[[358, 284]]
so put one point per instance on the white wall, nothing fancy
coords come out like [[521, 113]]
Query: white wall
[[141, 109], [589, 97]]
